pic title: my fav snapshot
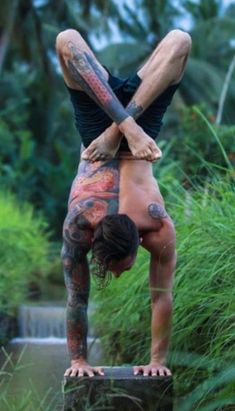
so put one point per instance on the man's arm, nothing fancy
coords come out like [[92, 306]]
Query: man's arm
[[76, 244], [161, 246]]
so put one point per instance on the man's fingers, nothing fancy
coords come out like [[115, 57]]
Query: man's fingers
[[100, 371], [73, 373], [167, 372], [161, 372], [80, 372], [136, 370], [67, 372], [146, 372]]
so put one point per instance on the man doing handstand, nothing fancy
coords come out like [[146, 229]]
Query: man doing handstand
[[115, 203]]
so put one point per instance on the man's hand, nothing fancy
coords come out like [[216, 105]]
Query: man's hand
[[152, 369], [80, 368]]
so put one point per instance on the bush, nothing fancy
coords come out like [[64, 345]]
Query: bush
[[24, 250], [203, 327]]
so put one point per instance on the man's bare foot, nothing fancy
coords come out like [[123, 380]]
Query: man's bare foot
[[141, 145], [105, 146]]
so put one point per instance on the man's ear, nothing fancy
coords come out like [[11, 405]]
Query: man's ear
[[141, 240]]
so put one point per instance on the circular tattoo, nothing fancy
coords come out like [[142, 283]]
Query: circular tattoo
[[156, 211]]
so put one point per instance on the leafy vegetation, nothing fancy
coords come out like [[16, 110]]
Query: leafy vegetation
[[24, 249]]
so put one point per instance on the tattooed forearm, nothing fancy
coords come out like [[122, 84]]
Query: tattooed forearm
[[77, 282], [76, 244], [77, 326], [84, 70], [156, 211], [134, 110]]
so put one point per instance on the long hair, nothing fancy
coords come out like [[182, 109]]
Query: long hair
[[115, 238]]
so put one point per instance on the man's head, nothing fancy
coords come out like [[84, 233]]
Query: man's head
[[115, 245]]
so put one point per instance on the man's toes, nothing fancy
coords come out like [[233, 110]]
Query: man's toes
[[86, 155], [103, 157], [156, 151], [94, 155], [143, 155], [150, 158]]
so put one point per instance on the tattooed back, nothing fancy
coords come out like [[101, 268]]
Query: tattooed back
[[95, 190]]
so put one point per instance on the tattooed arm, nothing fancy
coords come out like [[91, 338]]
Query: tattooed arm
[[76, 244]]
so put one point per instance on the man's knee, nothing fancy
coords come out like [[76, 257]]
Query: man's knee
[[64, 37], [180, 42]]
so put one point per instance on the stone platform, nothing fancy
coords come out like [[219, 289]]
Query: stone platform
[[118, 390]]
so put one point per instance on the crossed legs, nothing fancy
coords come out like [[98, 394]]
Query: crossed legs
[[82, 71]]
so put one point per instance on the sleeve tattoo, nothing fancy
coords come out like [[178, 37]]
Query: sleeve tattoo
[[84, 70], [77, 281]]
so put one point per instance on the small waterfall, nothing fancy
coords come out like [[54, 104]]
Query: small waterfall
[[44, 322]]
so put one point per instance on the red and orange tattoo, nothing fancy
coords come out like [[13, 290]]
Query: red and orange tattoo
[[85, 71]]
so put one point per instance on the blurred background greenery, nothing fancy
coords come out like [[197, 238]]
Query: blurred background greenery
[[39, 145], [39, 153]]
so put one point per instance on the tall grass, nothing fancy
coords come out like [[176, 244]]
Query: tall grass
[[203, 340], [29, 399]]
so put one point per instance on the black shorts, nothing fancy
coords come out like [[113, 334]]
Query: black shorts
[[91, 120]]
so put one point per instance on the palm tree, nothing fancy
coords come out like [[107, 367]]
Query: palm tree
[[212, 28]]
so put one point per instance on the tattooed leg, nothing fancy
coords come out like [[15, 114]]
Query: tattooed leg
[[164, 68], [81, 68]]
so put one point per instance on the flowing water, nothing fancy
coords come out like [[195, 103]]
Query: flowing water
[[42, 354]]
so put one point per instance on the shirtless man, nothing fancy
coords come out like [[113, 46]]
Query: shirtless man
[[115, 203]]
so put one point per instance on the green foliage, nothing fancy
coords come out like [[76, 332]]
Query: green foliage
[[38, 155], [197, 150], [24, 247], [203, 329], [201, 145]]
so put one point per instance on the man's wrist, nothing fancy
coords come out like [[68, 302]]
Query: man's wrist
[[80, 360], [158, 358]]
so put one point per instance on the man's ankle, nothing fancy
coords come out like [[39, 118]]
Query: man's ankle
[[126, 124]]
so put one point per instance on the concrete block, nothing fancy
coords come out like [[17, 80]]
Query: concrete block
[[118, 390]]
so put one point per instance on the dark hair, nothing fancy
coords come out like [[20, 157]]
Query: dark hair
[[115, 238]]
